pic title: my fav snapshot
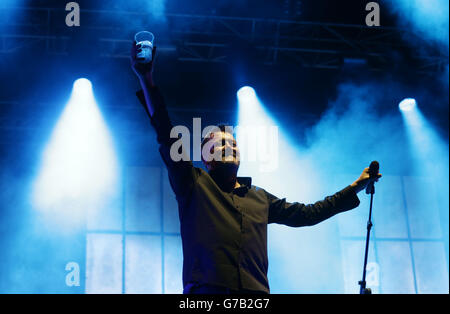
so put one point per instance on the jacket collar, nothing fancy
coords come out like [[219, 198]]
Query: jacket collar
[[246, 181]]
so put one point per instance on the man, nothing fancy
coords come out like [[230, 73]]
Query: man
[[223, 218]]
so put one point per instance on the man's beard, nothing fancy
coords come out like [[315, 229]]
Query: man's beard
[[226, 165], [224, 174], [224, 168]]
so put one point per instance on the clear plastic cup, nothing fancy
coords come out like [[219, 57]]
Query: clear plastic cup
[[145, 40]]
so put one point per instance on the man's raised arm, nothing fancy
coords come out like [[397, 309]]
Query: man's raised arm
[[150, 96], [181, 173]]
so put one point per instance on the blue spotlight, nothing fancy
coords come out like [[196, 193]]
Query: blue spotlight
[[82, 85], [407, 104], [246, 93], [273, 161], [79, 166]]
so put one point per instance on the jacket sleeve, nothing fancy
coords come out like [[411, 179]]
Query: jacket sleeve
[[299, 215], [182, 174]]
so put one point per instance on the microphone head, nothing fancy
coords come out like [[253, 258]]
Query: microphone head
[[374, 168]]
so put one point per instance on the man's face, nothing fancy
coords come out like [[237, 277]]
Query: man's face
[[223, 149]]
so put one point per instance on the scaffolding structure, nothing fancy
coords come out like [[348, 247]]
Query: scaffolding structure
[[212, 38]]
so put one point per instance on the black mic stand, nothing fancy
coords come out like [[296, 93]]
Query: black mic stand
[[363, 290]]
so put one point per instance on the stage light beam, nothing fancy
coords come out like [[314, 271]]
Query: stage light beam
[[272, 159], [246, 93], [79, 166], [407, 104]]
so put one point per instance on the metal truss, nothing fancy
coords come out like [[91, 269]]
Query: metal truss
[[211, 38]]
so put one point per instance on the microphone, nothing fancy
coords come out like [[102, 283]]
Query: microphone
[[373, 172]]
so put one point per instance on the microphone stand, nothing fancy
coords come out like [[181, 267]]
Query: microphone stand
[[363, 290]]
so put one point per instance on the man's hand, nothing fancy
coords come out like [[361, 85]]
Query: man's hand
[[143, 70], [363, 180]]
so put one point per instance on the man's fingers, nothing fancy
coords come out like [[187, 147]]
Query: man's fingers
[[375, 179]]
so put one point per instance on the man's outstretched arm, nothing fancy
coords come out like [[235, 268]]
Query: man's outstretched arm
[[298, 215]]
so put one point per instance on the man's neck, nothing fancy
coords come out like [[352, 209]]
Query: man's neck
[[227, 181]]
